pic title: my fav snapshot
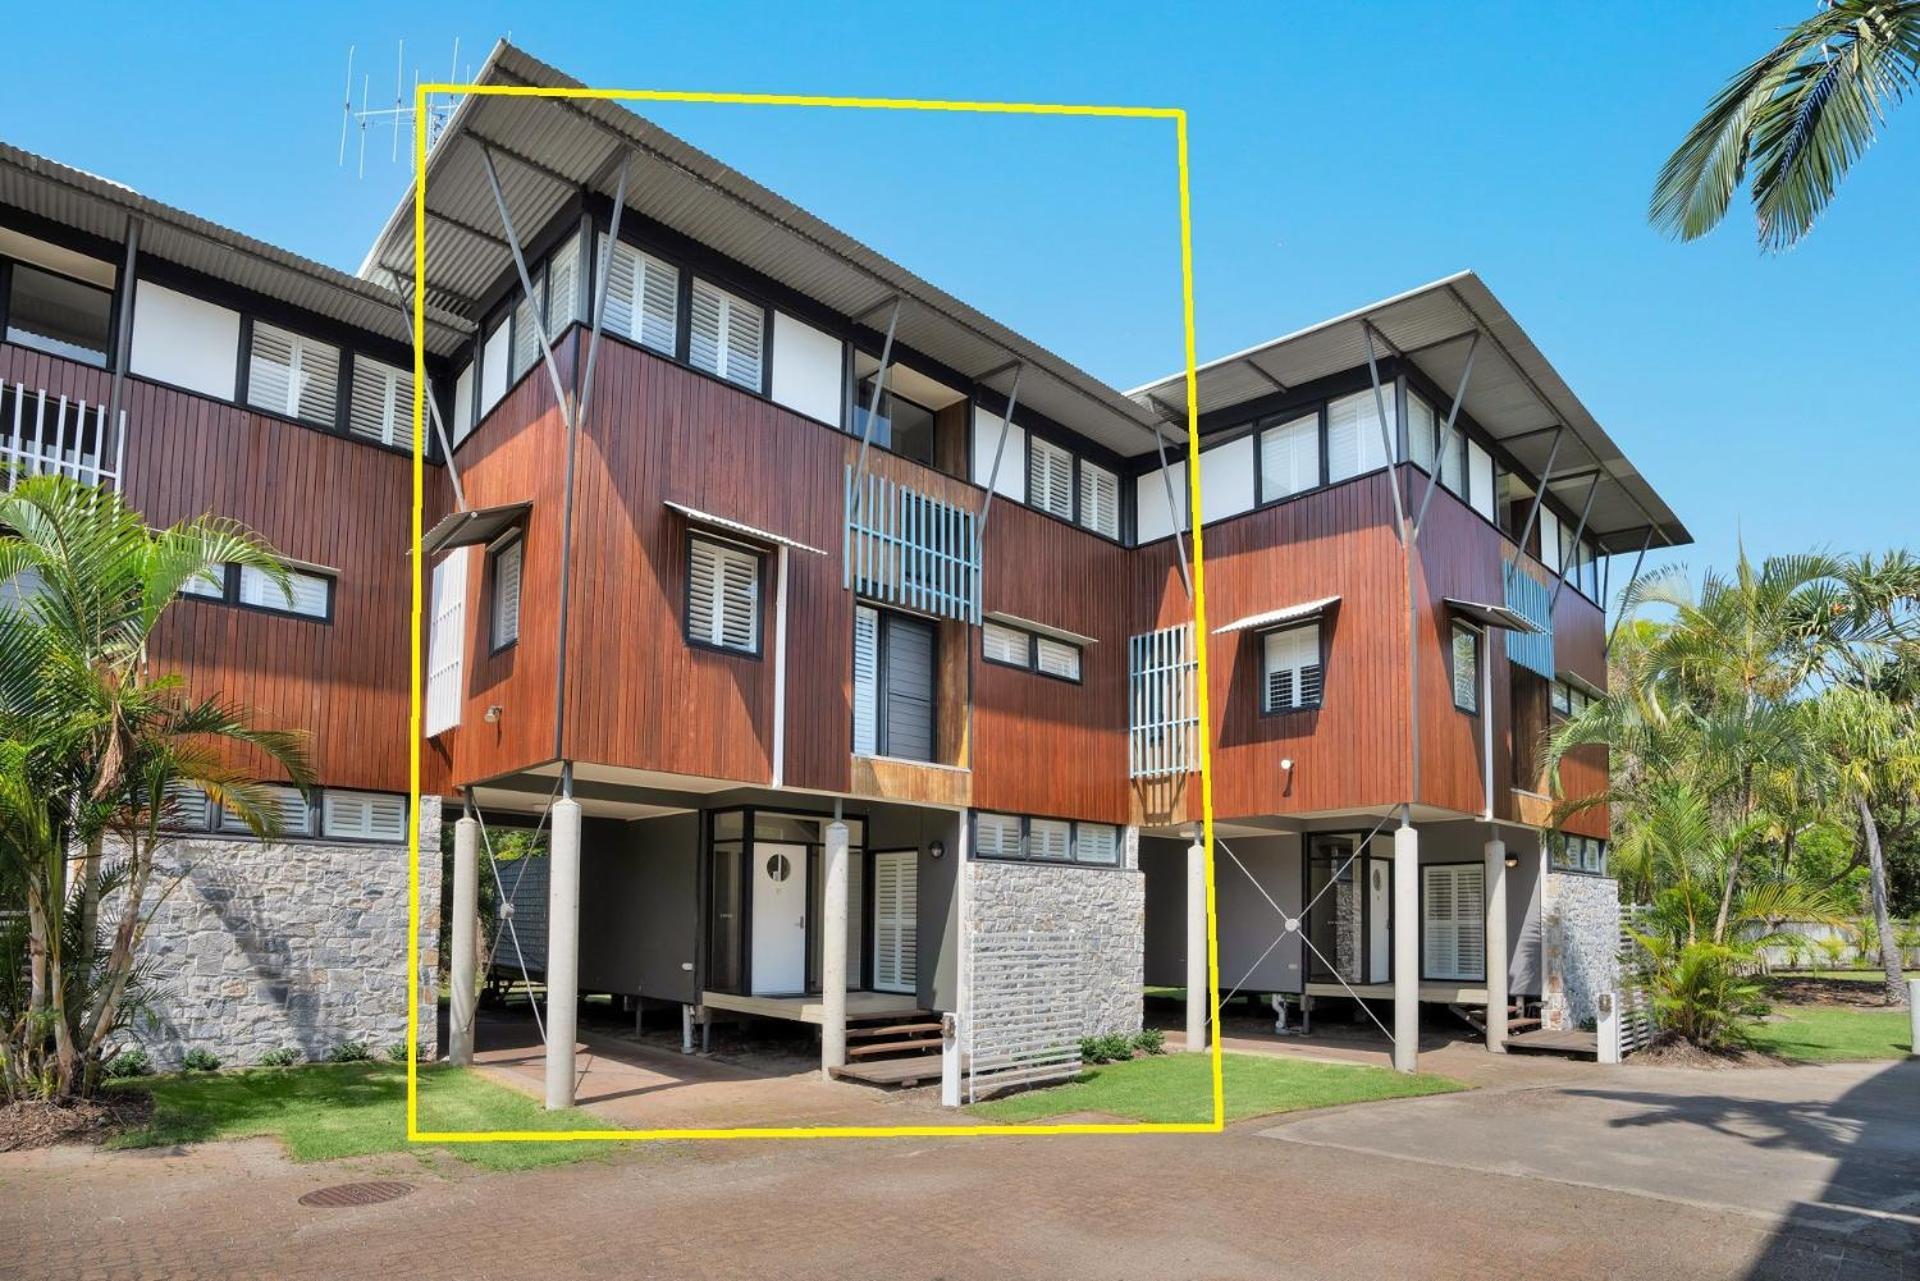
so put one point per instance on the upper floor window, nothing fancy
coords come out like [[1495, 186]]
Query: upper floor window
[[1099, 499], [381, 406], [58, 314], [643, 298], [504, 567], [895, 658], [1049, 478], [723, 595], [1013, 647], [726, 335], [901, 426], [293, 375], [1291, 666], [1290, 458], [306, 595], [1355, 443], [1466, 668]]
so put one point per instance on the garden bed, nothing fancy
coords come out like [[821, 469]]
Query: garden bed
[[1863, 989], [36, 1123]]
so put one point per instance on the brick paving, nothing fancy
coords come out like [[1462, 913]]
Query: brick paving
[[1242, 1204]]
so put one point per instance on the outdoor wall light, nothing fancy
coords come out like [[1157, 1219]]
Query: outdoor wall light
[[493, 714], [1513, 860], [938, 849]]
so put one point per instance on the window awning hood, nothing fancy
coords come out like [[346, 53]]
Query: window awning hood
[[472, 528], [731, 526], [1275, 617], [1500, 616]]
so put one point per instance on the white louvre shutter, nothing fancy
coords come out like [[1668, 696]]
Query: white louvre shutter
[[284, 804], [1354, 442], [1292, 667], [996, 836], [211, 584], [896, 925], [304, 594], [563, 286], [1099, 500], [1422, 431], [1480, 479], [1050, 478], [363, 816], [725, 334], [866, 681], [291, 375], [724, 596], [1004, 645], [1290, 458], [506, 593], [526, 331], [447, 643], [1453, 462], [187, 808], [1057, 658], [1096, 843], [1454, 912], [1466, 669], [1550, 538], [643, 298], [381, 407], [1049, 838]]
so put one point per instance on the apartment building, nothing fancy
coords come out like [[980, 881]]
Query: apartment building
[[840, 638]]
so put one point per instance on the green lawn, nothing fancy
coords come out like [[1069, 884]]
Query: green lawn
[[1832, 1034], [325, 1111], [1178, 1087]]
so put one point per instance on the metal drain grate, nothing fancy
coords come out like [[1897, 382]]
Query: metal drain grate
[[346, 1194]]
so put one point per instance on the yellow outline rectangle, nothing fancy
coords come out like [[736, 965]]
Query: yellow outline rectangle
[[1179, 118]]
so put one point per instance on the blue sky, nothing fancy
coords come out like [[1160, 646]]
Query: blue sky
[[1340, 154]]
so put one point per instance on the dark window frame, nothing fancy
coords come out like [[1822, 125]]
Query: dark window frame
[[516, 537], [885, 621], [317, 817], [230, 595], [9, 265], [1032, 666], [1453, 664], [760, 555], [1260, 657], [1425, 977], [1026, 821]]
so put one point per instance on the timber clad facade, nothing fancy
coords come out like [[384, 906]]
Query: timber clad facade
[[770, 561]]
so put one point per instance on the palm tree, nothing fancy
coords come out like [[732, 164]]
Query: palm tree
[[1791, 123], [93, 746]]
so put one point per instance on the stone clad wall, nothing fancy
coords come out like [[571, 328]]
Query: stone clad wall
[[1580, 925], [299, 944], [1104, 907]]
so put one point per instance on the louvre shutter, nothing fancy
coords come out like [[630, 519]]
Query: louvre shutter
[[1292, 660], [724, 596], [1290, 458], [643, 298], [1354, 442], [1050, 478], [1057, 658], [506, 593], [1096, 843], [1422, 429], [1550, 539], [447, 643], [996, 836], [363, 816], [1453, 463], [1099, 500], [212, 584], [563, 287], [1004, 645], [908, 707], [381, 407], [725, 335], [291, 375], [1466, 669], [526, 331], [187, 808], [286, 806], [1480, 479], [304, 594], [866, 681], [1049, 838], [896, 926], [1454, 912]]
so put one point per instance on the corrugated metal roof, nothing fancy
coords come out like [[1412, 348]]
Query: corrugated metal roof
[[578, 142], [1500, 616], [1285, 614], [1514, 393], [102, 207], [732, 526]]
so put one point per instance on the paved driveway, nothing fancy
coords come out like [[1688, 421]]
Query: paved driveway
[[1638, 1175]]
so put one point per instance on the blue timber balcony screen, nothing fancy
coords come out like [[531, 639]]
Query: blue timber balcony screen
[[1532, 599], [1163, 706], [903, 548]]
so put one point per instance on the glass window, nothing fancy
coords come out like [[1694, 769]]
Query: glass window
[[1099, 499], [59, 315], [1290, 677], [1056, 658], [901, 425], [506, 593], [1355, 444], [293, 375], [1422, 430], [1096, 843], [1466, 668], [1002, 644], [1050, 478], [1289, 458], [308, 595]]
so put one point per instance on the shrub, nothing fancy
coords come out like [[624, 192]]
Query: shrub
[[128, 1063], [1835, 949], [1701, 991], [285, 1056], [398, 1052], [199, 1060], [1150, 1040], [350, 1052]]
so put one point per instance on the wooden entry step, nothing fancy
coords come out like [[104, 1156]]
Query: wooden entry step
[[856, 1033], [892, 1047], [921, 1069]]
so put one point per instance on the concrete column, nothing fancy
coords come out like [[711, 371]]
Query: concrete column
[[1406, 947], [563, 950], [465, 961], [833, 952], [1913, 1018], [1197, 988], [1497, 950]]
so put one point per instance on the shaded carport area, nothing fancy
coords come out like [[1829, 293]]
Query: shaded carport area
[[1825, 1159]]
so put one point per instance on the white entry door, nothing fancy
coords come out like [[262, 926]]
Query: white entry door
[[896, 925], [779, 919]]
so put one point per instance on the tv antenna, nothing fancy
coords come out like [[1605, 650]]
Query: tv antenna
[[397, 119]]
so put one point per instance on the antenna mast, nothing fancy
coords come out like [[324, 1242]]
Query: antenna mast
[[400, 116]]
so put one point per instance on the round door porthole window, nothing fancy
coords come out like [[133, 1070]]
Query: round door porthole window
[[779, 867]]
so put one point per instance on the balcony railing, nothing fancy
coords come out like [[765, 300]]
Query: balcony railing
[[902, 547], [43, 435], [1163, 705]]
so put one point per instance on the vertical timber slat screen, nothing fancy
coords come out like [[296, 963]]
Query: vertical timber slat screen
[[1163, 708], [1532, 599], [902, 547], [1028, 1009]]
